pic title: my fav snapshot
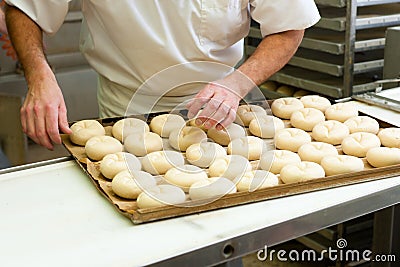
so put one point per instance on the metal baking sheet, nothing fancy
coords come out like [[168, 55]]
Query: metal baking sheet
[[129, 207], [322, 83]]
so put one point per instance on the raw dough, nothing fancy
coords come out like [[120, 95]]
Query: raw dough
[[315, 101], [164, 124], [341, 112], [203, 154], [306, 118], [181, 138], [129, 184], [99, 146], [301, 172], [112, 164], [266, 126], [291, 139], [358, 144], [84, 130], [275, 160], [390, 137], [256, 180], [250, 147], [284, 107], [184, 176], [383, 156], [123, 128], [225, 136], [246, 113], [211, 188], [160, 196], [362, 124], [315, 151], [231, 167], [331, 132], [341, 164], [159, 162], [142, 143]]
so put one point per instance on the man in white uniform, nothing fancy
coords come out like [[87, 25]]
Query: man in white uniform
[[168, 45]]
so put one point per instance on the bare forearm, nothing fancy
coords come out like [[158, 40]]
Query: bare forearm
[[271, 55], [26, 37]]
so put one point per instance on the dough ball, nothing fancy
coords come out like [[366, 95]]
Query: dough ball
[[315, 151], [341, 112], [266, 126], [331, 132], [275, 160], [341, 164], [160, 196], [142, 143], [383, 156], [300, 93], [192, 122], [250, 147], [204, 154], [225, 136], [184, 176], [214, 187], [84, 130], [269, 85], [181, 139], [315, 101], [112, 164], [306, 118], [231, 167], [99, 146], [291, 139], [362, 124], [246, 113], [256, 180], [390, 137], [159, 162], [358, 144], [284, 107], [301, 172], [164, 124], [125, 127], [129, 184], [286, 90]]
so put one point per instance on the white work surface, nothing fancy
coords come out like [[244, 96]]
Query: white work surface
[[53, 215]]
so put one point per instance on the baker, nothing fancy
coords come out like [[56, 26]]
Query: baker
[[153, 55]]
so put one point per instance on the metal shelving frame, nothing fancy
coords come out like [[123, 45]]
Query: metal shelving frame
[[341, 35]]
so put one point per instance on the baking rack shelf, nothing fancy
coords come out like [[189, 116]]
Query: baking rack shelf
[[343, 53]]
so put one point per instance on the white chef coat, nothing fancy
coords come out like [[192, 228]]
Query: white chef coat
[[156, 51]]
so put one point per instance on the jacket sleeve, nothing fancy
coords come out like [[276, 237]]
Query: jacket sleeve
[[48, 14], [283, 15]]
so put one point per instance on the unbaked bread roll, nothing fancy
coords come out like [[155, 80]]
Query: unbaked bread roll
[[99, 146], [300, 93], [291, 139], [362, 124], [265, 126], [301, 172], [250, 147], [181, 138], [306, 118], [129, 184], [142, 143], [331, 132], [204, 154], [315, 101], [122, 128], [315, 151], [284, 107], [226, 135], [341, 164], [358, 144], [286, 90], [390, 137], [211, 188], [245, 113], [164, 124], [114, 163], [275, 160], [269, 85], [159, 162], [160, 196], [231, 167], [84, 130], [341, 112], [255, 180], [383, 156], [184, 176]]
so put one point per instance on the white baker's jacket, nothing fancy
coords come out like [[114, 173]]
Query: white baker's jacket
[[153, 55]]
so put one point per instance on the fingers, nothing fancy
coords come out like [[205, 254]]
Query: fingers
[[62, 120], [199, 100], [39, 119]]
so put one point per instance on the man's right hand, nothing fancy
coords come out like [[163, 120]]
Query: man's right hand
[[44, 114]]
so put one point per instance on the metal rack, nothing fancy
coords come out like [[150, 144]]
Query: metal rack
[[343, 53]]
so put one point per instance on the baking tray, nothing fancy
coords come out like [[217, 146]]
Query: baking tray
[[137, 216]]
